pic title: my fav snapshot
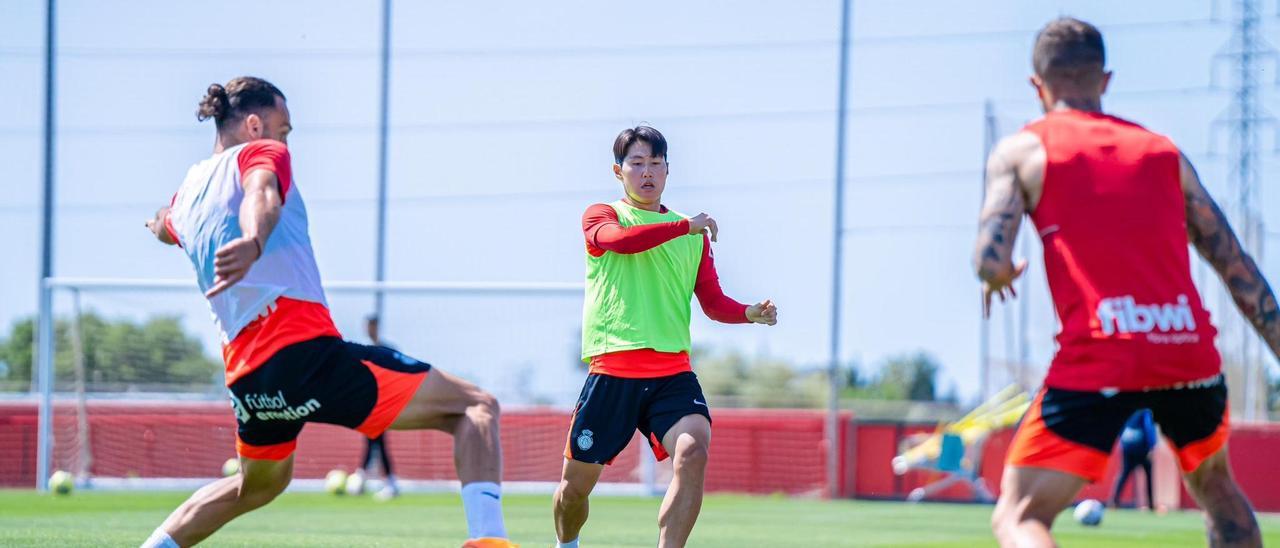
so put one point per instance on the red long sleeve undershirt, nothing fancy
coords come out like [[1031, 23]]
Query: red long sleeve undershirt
[[604, 233]]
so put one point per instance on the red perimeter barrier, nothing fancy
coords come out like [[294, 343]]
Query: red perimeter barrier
[[752, 451]]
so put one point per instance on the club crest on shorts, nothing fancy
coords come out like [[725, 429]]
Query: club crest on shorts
[[585, 441], [242, 414]]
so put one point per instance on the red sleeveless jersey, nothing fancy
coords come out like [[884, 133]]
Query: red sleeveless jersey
[[1112, 218]]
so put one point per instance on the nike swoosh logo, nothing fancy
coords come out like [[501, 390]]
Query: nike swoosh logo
[[696, 402], [494, 495]]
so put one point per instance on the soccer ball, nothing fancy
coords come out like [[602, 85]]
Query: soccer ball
[[231, 467], [61, 482], [355, 483], [335, 482], [1089, 512]]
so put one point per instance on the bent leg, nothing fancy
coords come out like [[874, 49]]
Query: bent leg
[[603, 422], [385, 455], [450, 404], [1150, 481], [1125, 472], [1064, 442], [570, 501], [212, 506], [687, 442], [1030, 499], [370, 445], [1228, 517]]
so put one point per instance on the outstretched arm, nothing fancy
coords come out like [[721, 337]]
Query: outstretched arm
[[1209, 232], [720, 307], [998, 225], [259, 212]]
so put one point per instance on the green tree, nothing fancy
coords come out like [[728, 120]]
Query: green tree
[[16, 351], [722, 375], [115, 351], [759, 382], [906, 377]]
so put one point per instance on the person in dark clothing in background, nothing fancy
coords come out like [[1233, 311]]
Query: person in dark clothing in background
[[378, 445], [1136, 442]]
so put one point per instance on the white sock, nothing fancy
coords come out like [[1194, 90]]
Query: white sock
[[159, 539], [391, 481], [482, 501], [571, 544]]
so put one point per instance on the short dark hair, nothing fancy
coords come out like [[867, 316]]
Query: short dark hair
[[240, 97], [1069, 51], [629, 137]]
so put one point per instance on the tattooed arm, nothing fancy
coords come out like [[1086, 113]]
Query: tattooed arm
[[1015, 171], [1208, 230]]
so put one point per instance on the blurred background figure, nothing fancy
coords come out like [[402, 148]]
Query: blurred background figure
[[374, 446], [1136, 443]]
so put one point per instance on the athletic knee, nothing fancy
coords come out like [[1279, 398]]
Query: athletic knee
[[484, 407], [1009, 513], [260, 494], [1000, 517], [572, 493], [690, 453]]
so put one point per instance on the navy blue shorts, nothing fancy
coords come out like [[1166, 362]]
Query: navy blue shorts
[[610, 409]]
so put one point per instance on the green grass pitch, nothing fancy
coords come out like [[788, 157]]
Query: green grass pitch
[[315, 519]]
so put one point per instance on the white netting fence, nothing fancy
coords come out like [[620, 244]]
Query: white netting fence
[[139, 398]]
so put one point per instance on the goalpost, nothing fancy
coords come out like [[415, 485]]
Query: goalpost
[[517, 340]]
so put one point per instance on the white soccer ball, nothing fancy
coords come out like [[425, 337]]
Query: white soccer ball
[[61, 482], [231, 467], [1089, 512], [355, 484], [335, 482]]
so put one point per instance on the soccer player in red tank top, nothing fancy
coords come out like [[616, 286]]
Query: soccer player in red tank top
[[1115, 206]]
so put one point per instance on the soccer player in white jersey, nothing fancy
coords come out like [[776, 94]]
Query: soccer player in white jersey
[[241, 220]]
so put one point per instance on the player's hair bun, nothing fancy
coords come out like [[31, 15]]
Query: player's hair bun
[[215, 104]]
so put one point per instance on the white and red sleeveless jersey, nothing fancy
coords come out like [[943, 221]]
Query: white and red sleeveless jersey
[[280, 301]]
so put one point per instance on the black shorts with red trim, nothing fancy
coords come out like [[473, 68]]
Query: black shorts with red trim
[[610, 410], [1074, 431], [325, 379]]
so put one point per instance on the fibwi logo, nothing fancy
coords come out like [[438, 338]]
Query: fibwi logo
[[585, 441], [1123, 315]]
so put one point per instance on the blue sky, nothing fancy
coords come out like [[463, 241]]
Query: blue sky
[[502, 117]]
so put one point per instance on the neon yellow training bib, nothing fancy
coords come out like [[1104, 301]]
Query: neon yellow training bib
[[640, 300]]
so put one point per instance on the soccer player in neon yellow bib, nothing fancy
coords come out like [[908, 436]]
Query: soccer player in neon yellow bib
[[644, 265]]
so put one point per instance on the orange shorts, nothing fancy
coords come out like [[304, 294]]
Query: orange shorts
[[325, 379], [1074, 431]]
